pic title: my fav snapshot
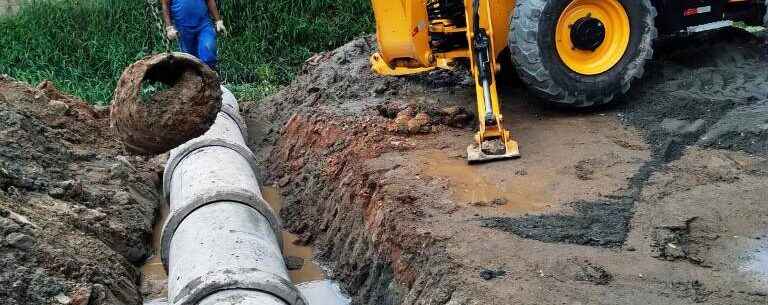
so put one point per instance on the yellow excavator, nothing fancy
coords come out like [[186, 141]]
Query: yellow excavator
[[576, 53]]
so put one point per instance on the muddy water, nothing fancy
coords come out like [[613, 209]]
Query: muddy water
[[310, 271], [470, 185], [155, 280], [310, 279], [757, 266]]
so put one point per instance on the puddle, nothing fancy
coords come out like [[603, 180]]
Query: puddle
[[310, 271], [155, 281], [323, 292], [757, 265], [310, 279], [468, 184]]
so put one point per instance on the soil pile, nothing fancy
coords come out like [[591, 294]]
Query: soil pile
[[340, 83], [75, 214], [164, 100]]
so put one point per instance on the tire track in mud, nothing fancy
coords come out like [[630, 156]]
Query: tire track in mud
[[709, 91]]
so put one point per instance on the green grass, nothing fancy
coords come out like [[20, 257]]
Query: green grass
[[84, 45]]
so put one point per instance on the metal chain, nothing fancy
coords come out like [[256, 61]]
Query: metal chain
[[153, 6]]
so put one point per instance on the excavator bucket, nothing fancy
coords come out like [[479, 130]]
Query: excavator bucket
[[492, 150]]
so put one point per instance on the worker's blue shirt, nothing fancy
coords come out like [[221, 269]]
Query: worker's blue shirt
[[189, 15]]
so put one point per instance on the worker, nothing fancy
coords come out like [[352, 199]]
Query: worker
[[195, 23]]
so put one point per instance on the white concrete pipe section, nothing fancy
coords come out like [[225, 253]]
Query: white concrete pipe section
[[221, 243]]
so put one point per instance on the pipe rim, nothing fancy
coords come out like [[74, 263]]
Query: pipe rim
[[244, 197], [192, 147], [234, 115], [245, 278]]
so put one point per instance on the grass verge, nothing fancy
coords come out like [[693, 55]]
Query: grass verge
[[84, 45]]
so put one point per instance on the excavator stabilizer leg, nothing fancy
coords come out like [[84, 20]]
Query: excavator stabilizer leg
[[492, 141]]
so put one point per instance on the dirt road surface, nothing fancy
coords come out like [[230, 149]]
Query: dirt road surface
[[657, 199]]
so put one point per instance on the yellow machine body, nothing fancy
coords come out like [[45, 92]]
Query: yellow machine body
[[403, 26], [404, 43], [403, 33]]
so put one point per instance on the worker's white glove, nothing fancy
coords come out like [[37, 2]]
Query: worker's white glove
[[171, 33], [220, 28]]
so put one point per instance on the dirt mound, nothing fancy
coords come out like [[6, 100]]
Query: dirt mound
[[328, 124], [163, 101], [341, 83], [75, 216]]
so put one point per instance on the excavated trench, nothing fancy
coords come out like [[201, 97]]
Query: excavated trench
[[656, 200], [221, 240]]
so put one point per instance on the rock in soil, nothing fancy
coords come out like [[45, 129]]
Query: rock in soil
[[294, 262], [489, 274], [164, 100], [70, 231]]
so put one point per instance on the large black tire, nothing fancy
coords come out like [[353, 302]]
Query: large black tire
[[765, 17], [532, 44]]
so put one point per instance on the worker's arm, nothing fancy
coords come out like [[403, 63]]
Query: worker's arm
[[170, 30], [214, 11]]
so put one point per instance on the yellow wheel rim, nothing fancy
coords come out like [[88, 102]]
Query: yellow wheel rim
[[572, 35]]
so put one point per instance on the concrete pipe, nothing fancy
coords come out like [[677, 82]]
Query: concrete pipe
[[230, 107], [227, 245], [221, 243], [225, 132], [210, 174], [153, 124], [240, 297]]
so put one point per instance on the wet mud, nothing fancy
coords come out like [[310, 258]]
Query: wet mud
[[154, 279], [717, 101], [305, 269], [653, 200]]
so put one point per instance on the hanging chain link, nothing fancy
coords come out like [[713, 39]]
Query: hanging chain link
[[153, 6]]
